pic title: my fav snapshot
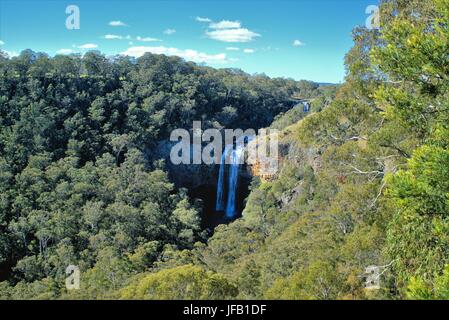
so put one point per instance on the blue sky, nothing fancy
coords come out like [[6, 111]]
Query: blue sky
[[302, 39]]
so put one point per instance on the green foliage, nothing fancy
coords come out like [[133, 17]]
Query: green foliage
[[181, 283], [318, 281], [419, 289], [421, 198], [416, 62]]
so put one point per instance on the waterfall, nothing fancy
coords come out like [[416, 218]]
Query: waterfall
[[219, 205], [233, 182], [306, 106], [235, 157]]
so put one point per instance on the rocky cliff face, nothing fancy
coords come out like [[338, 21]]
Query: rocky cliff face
[[291, 154], [287, 151]]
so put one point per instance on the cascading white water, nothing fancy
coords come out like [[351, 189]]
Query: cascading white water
[[233, 182], [235, 157], [219, 205], [306, 106]]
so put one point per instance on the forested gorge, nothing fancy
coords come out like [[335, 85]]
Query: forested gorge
[[364, 177], [79, 182]]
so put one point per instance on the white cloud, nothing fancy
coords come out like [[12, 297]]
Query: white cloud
[[230, 31], [249, 50], [232, 35], [88, 46], [169, 31], [64, 51], [225, 24], [128, 37], [117, 23], [147, 39], [112, 37], [1, 43], [297, 43], [232, 49], [11, 54], [188, 54], [199, 19]]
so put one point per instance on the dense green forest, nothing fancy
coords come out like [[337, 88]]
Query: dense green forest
[[364, 177]]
